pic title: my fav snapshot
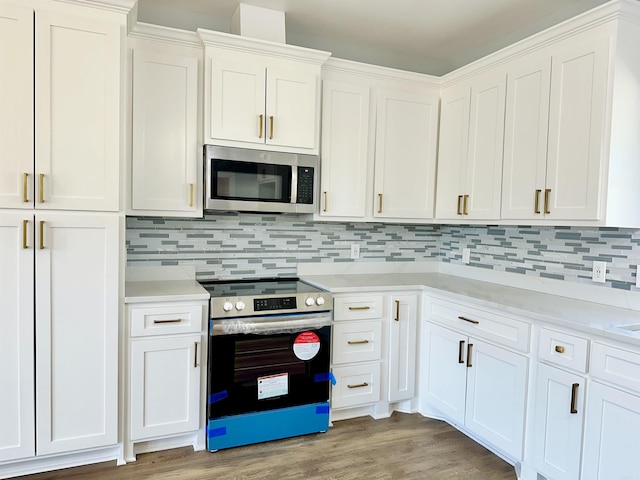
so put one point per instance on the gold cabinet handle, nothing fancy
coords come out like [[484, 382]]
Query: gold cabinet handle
[[360, 308], [459, 203], [475, 322], [24, 234], [359, 385], [41, 234], [460, 351], [559, 349], [536, 208], [357, 342], [271, 127], [325, 202], [261, 119], [191, 194], [547, 191], [25, 177], [171, 320], [195, 355], [574, 398], [397, 319], [465, 198], [469, 351], [379, 203], [41, 188]]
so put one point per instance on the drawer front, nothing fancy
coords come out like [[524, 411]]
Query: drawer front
[[364, 307], [356, 385], [166, 319], [357, 341], [482, 324], [563, 350], [613, 365]]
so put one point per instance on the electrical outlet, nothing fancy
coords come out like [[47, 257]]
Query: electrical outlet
[[466, 255], [638, 276], [355, 251], [599, 272]]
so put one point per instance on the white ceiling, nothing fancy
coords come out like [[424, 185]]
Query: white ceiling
[[427, 36]]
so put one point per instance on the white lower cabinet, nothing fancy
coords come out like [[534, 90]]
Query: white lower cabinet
[[476, 385], [402, 347]]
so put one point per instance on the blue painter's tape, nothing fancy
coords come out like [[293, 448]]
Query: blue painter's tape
[[333, 379], [324, 377], [322, 410], [216, 397], [217, 432]]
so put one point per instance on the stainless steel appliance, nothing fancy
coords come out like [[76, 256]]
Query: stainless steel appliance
[[259, 181], [268, 366]]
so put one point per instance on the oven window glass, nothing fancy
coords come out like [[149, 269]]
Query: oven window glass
[[232, 180], [238, 362]]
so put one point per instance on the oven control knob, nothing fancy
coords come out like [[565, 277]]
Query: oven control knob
[[320, 301], [227, 306], [309, 301], [240, 306]]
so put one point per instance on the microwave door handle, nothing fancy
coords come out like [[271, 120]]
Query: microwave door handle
[[294, 184]]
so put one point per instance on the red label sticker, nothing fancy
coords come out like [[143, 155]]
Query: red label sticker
[[306, 345]]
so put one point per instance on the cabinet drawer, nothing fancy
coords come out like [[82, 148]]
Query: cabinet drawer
[[357, 341], [563, 350], [357, 307], [482, 324], [356, 385], [620, 367], [166, 319]]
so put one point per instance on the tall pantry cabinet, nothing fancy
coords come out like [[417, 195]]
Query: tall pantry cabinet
[[60, 109]]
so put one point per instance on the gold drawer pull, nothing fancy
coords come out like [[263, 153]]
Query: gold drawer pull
[[536, 209], [546, 200], [325, 202], [475, 322], [360, 308], [459, 212], [379, 203], [359, 385], [460, 352], [260, 133], [41, 234], [191, 194], [574, 398], [25, 177], [172, 320], [24, 233], [195, 355], [357, 342], [469, 351], [41, 188], [271, 127], [559, 349], [465, 199], [397, 319]]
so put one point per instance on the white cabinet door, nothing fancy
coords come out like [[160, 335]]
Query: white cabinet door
[[452, 151], [612, 434], [483, 173], [445, 372], [237, 93], [559, 412], [291, 108], [405, 162], [166, 173], [402, 347], [76, 284], [496, 396], [576, 125], [345, 133], [525, 138], [16, 106], [165, 386], [77, 91], [17, 410]]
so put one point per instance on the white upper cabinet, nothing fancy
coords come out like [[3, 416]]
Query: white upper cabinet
[[471, 145], [166, 165], [345, 131], [16, 106], [261, 94], [405, 155]]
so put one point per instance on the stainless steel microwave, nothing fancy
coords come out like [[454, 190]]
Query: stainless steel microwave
[[241, 179]]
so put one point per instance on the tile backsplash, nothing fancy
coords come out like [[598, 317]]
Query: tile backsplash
[[233, 245]]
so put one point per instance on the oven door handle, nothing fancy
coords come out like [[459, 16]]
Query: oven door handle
[[271, 325]]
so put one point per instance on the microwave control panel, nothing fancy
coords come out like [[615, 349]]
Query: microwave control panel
[[305, 185]]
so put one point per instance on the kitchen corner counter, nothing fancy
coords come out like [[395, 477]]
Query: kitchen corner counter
[[582, 315], [164, 291]]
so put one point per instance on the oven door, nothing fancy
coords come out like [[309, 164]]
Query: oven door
[[268, 369]]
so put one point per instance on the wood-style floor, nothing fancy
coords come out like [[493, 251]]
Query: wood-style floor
[[401, 447]]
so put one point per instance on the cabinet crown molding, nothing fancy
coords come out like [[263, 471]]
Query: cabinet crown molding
[[119, 6], [251, 45], [165, 34], [340, 65]]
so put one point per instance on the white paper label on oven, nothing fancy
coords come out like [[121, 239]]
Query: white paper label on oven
[[306, 345], [273, 386]]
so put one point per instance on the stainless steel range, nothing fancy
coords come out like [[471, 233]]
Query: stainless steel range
[[269, 354]]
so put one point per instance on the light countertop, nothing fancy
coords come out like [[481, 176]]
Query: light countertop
[[164, 291]]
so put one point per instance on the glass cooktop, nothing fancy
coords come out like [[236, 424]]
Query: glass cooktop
[[258, 286]]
